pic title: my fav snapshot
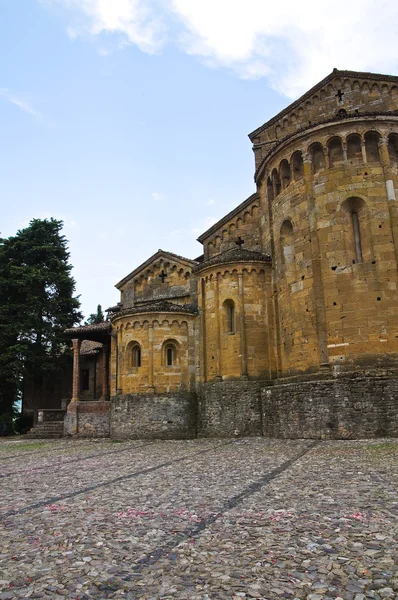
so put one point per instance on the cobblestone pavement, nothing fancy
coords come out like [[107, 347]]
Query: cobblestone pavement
[[199, 519]]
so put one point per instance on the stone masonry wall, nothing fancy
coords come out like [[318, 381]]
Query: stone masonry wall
[[346, 408], [154, 416], [87, 419], [230, 408]]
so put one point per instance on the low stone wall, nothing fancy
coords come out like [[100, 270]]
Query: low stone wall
[[345, 408], [230, 408], [87, 419], [154, 416]]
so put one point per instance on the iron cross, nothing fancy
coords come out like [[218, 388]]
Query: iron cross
[[340, 95], [163, 275], [239, 242]]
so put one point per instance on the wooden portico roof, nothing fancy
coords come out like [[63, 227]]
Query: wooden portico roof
[[100, 332]]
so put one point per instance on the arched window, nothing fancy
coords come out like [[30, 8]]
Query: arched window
[[270, 190], [229, 316], [276, 182], [287, 243], [354, 147], [354, 208], [297, 166], [372, 146], [317, 157], [136, 356], [357, 235], [285, 174], [335, 148], [393, 149], [170, 355]]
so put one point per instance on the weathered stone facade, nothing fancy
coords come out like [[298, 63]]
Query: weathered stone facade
[[287, 325]]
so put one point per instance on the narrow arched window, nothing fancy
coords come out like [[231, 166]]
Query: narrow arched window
[[276, 182], [317, 157], [372, 139], [170, 354], [335, 149], [393, 149], [357, 236], [136, 356], [354, 150], [297, 165], [229, 316], [287, 243], [355, 211], [285, 174]]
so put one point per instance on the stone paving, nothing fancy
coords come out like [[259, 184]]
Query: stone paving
[[199, 519]]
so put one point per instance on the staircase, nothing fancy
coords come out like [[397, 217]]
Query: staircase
[[50, 425]]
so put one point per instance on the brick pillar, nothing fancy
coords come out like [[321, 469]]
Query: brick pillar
[[151, 387], [76, 370], [242, 327], [105, 372], [390, 192], [319, 297]]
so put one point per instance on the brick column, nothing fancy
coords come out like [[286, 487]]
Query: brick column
[[105, 372], [151, 387], [242, 327], [319, 297], [76, 370]]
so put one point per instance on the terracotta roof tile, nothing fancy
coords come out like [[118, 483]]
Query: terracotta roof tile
[[234, 255], [89, 347], [158, 306]]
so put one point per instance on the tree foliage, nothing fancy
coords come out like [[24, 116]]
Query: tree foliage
[[97, 317], [36, 304]]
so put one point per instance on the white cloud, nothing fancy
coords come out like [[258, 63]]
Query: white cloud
[[293, 44], [21, 103], [157, 196], [210, 202], [136, 20]]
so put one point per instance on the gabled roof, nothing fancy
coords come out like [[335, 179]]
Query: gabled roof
[[187, 262], [333, 75], [228, 217]]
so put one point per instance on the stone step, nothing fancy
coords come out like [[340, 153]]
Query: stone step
[[51, 429]]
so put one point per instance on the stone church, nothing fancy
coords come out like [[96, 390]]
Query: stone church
[[287, 325]]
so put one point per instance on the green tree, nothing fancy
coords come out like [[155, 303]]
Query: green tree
[[97, 317], [36, 304]]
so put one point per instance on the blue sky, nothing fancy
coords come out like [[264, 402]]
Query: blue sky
[[128, 119]]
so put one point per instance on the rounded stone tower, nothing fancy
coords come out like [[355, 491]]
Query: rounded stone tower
[[327, 177]]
